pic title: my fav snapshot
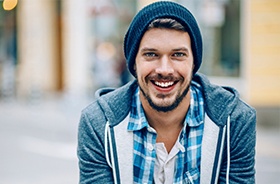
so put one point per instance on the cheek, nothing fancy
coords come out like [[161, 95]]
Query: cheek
[[185, 70], [142, 68]]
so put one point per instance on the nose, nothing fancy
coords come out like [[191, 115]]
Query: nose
[[165, 66]]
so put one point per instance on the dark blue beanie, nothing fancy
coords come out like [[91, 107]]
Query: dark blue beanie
[[161, 9]]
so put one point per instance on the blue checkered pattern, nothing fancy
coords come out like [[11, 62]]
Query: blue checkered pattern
[[187, 162]]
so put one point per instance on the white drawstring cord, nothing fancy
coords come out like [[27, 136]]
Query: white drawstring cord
[[106, 144], [111, 164], [228, 149]]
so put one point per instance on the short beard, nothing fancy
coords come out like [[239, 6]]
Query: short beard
[[169, 108]]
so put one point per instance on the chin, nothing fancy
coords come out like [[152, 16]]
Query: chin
[[165, 105]]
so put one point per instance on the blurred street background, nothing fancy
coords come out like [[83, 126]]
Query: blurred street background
[[54, 54]]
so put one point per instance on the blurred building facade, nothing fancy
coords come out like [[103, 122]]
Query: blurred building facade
[[74, 47]]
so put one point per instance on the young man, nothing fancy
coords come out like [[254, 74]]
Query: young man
[[170, 125]]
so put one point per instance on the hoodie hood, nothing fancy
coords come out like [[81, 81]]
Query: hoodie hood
[[115, 103], [219, 101]]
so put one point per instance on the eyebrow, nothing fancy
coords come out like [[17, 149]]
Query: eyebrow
[[181, 49], [145, 49]]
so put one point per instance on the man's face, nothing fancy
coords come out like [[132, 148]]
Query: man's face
[[164, 65]]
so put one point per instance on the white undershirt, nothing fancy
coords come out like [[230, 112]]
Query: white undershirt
[[165, 163]]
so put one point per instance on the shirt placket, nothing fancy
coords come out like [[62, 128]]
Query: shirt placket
[[150, 156], [181, 157]]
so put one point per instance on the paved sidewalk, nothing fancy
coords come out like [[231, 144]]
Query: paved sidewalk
[[38, 144], [268, 156]]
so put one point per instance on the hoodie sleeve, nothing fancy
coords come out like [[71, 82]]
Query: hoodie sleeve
[[242, 146], [92, 162]]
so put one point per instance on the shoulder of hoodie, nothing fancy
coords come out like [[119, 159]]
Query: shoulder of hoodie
[[221, 102], [111, 104]]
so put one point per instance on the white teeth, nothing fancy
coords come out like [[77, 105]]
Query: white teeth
[[164, 84]]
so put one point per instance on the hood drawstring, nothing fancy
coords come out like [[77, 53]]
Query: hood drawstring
[[111, 162], [107, 134], [228, 149]]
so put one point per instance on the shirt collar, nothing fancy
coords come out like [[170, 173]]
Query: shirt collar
[[137, 119], [195, 113]]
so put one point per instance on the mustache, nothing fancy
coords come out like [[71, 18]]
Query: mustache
[[160, 77]]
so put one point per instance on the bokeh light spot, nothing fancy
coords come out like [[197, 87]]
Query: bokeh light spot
[[9, 4]]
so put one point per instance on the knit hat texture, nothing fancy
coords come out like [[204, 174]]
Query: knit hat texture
[[161, 9]]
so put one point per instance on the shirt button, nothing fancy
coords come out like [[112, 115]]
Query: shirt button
[[150, 129], [150, 147]]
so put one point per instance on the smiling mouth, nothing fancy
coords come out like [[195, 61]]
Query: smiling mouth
[[163, 84]]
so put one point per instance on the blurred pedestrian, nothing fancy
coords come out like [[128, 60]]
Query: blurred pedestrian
[[170, 125]]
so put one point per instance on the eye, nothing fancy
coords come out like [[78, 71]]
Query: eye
[[179, 54], [150, 54]]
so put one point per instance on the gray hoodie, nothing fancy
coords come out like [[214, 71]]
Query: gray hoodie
[[105, 147]]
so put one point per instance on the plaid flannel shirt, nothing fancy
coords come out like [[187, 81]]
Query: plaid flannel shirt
[[187, 165]]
